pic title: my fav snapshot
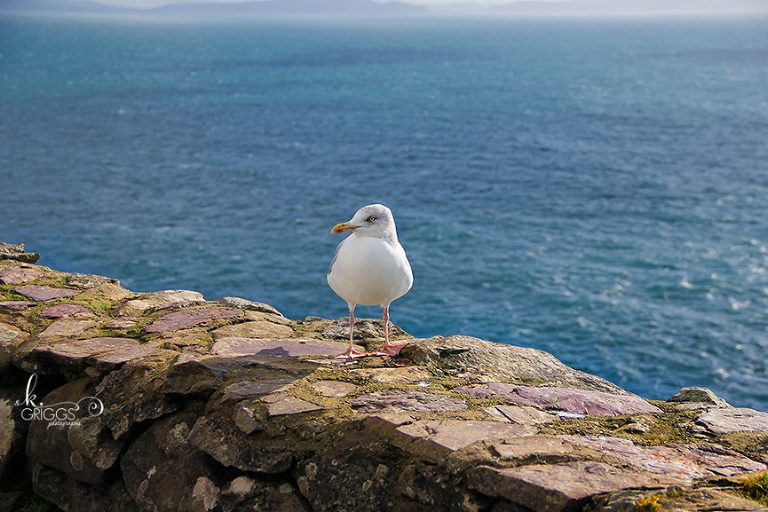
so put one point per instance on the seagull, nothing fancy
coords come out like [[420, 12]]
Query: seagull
[[370, 268]]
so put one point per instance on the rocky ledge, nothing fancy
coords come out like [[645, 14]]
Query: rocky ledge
[[164, 401]]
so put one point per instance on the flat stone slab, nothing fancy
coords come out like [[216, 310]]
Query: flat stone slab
[[291, 405], [242, 375], [522, 415], [501, 362], [556, 487], [122, 323], [156, 301], [17, 305], [9, 336], [77, 352], [88, 281], [541, 447], [19, 275], [68, 327], [189, 318], [256, 329], [404, 375], [65, 310], [406, 401], [685, 462], [333, 388], [16, 252], [712, 499], [365, 328], [734, 419], [437, 438], [291, 347], [579, 401], [108, 361], [260, 387], [45, 293], [247, 305]]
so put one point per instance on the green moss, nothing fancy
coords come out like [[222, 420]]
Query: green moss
[[649, 504], [755, 488], [34, 503], [663, 428]]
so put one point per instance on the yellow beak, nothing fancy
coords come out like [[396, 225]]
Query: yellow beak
[[344, 226]]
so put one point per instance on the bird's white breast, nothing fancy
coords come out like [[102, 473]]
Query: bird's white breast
[[370, 271]]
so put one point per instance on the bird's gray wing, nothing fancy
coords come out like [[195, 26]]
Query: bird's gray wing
[[336, 255]]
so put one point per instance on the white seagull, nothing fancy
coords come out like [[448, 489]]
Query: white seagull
[[370, 268]]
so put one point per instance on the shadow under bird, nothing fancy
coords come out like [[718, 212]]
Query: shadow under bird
[[370, 268]]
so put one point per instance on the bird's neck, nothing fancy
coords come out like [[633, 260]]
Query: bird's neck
[[389, 238]]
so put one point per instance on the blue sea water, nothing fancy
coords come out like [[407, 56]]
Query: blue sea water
[[595, 188]]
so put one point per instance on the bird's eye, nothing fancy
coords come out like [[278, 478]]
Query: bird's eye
[[371, 218]]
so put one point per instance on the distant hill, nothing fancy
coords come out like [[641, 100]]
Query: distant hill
[[357, 8], [586, 7], [254, 8]]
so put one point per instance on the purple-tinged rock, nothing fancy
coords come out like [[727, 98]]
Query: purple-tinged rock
[[232, 347], [189, 318], [579, 401], [333, 388], [266, 327], [157, 301], [291, 405], [68, 328], [16, 305], [77, 352], [734, 419], [19, 275], [437, 438], [259, 387], [684, 462], [697, 398], [402, 375], [556, 487], [522, 415], [108, 361], [44, 293], [121, 323], [411, 401], [65, 310], [541, 448]]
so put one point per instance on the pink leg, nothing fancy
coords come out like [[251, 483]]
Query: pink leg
[[351, 352], [390, 350], [385, 319]]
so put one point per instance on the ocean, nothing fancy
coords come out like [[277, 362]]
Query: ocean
[[595, 188]]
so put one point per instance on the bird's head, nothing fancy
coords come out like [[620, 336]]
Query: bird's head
[[373, 220]]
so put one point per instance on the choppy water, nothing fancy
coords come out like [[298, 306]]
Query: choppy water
[[593, 188]]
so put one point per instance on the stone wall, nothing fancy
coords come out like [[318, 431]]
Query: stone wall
[[115, 400]]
